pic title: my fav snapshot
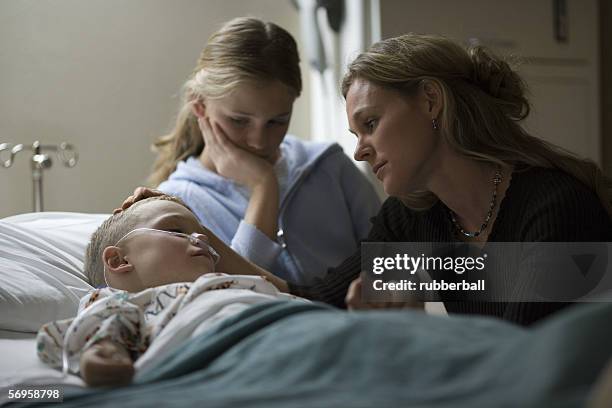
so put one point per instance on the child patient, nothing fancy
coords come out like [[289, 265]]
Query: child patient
[[156, 262]]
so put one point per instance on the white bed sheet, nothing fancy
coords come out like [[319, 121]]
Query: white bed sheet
[[19, 364]]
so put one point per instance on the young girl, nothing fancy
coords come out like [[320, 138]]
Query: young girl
[[271, 196]]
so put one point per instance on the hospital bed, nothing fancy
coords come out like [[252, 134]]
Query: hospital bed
[[286, 355]]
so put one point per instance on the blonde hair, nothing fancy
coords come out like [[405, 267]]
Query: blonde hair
[[483, 102], [111, 231], [244, 50]]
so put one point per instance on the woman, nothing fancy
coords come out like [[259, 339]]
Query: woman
[[258, 189], [440, 127]]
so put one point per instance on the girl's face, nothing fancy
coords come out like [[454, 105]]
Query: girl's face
[[395, 136], [255, 116]]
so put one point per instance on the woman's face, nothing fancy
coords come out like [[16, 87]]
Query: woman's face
[[395, 135], [255, 116]]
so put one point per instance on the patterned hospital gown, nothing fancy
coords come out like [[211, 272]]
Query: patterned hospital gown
[[134, 319]]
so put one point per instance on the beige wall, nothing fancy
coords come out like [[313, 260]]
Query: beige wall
[[563, 78], [104, 75]]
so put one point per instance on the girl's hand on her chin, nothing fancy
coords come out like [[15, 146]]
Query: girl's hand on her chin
[[231, 161]]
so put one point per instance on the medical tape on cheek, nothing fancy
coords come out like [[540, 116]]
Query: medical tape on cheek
[[195, 240]]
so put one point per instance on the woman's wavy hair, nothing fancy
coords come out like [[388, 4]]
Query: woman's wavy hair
[[483, 104], [245, 49]]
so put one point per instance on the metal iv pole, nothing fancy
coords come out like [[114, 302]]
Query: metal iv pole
[[39, 162]]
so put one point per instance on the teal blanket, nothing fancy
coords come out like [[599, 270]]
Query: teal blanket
[[291, 354]]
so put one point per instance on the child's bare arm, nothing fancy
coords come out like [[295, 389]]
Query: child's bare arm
[[106, 364]]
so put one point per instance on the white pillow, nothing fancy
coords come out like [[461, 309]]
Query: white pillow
[[41, 267]]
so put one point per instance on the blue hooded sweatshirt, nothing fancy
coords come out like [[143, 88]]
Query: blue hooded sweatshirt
[[325, 207]]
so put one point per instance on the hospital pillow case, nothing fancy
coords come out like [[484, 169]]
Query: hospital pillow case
[[41, 267]]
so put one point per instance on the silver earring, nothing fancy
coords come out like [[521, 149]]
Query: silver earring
[[434, 124]]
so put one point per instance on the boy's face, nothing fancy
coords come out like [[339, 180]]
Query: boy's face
[[159, 258]]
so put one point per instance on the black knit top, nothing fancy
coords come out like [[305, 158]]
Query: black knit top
[[540, 205]]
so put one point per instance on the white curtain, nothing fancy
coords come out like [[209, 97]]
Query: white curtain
[[359, 29]]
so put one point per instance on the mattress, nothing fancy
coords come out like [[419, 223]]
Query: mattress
[[20, 364]]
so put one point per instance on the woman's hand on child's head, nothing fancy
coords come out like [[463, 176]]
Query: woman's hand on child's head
[[106, 364], [232, 161], [140, 193], [354, 300]]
